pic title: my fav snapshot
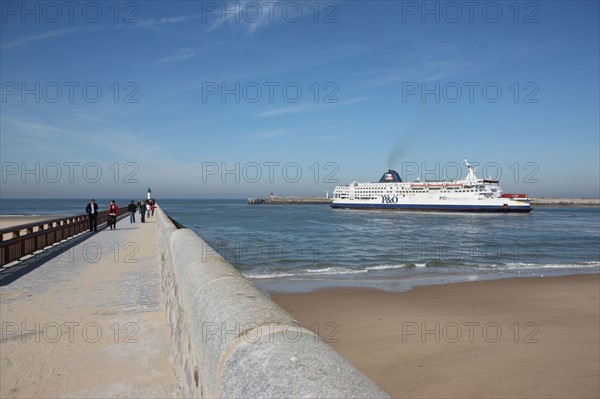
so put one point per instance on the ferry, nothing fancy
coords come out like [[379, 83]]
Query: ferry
[[470, 194]]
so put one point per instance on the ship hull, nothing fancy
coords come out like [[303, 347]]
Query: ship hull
[[432, 204], [433, 207]]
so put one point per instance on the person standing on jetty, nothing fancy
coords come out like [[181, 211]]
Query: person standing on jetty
[[131, 208], [113, 211], [92, 211]]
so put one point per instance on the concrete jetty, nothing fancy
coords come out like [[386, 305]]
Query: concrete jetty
[[87, 321], [150, 310]]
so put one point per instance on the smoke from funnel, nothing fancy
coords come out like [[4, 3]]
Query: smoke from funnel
[[398, 152]]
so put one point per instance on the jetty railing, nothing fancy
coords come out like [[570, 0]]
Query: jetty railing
[[25, 239]]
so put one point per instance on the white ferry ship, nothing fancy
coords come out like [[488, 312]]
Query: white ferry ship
[[470, 194]]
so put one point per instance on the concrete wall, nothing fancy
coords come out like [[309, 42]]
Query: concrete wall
[[231, 340]]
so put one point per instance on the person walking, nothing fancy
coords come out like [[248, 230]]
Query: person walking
[[142, 208], [148, 207], [131, 208], [92, 211], [113, 211]]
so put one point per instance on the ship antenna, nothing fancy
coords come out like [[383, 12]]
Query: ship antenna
[[468, 165]]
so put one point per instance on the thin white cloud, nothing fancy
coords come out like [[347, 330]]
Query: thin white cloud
[[290, 109], [308, 107], [421, 68], [43, 137], [251, 15], [270, 134], [152, 22], [326, 137], [181, 54], [25, 40], [31, 129]]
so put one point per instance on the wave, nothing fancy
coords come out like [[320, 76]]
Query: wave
[[380, 270], [256, 276], [387, 267], [335, 270], [281, 272], [523, 265]]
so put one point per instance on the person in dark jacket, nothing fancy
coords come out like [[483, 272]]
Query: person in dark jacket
[[142, 208], [131, 208], [92, 211]]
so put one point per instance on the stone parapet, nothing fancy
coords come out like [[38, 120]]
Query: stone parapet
[[231, 340]]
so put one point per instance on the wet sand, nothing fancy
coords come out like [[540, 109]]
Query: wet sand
[[523, 337]]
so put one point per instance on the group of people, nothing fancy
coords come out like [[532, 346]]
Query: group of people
[[146, 209]]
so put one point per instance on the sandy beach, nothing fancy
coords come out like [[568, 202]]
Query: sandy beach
[[524, 337], [9, 221]]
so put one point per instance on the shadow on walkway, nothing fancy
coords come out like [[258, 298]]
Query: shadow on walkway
[[18, 270]]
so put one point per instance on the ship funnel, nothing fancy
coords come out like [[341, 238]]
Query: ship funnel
[[391, 176]]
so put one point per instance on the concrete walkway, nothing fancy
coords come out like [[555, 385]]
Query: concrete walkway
[[88, 322]]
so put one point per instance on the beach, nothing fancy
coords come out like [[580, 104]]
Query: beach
[[521, 337], [10, 221]]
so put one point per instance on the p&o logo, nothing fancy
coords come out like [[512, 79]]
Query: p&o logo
[[386, 199]]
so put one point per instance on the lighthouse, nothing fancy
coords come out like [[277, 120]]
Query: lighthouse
[[149, 192]]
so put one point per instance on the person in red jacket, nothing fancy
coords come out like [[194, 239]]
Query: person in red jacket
[[113, 211]]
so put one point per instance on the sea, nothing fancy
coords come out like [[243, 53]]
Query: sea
[[303, 247]]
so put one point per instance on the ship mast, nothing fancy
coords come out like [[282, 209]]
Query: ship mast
[[471, 174]]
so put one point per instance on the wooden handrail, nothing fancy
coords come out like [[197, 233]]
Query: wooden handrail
[[48, 232]]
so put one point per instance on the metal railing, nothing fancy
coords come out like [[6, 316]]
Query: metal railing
[[25, 239]]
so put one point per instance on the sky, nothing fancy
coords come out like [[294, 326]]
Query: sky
[[239, 99]]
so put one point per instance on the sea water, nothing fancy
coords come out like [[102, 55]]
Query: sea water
[[279, 245], [390, 249]]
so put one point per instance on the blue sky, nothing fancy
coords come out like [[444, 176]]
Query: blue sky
[[240, 99]]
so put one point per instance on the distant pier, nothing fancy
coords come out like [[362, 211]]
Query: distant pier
[[256, 201], [290, 201], [566, 202]]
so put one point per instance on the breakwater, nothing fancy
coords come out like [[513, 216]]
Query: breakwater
[[231, 340], [567, 202], [290, 201]]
